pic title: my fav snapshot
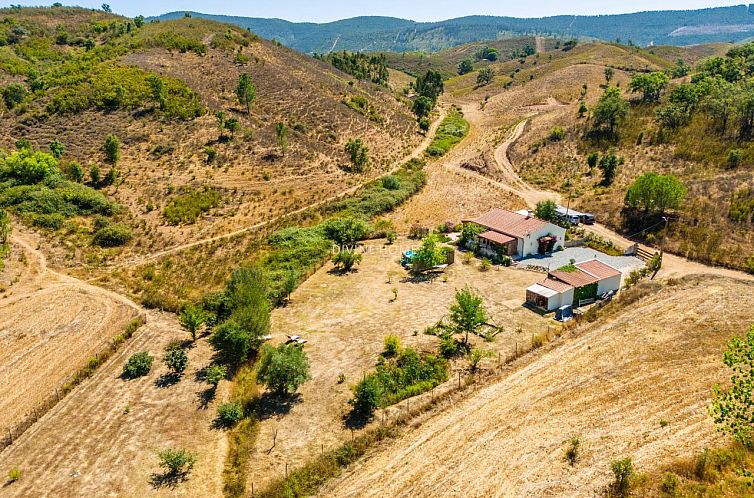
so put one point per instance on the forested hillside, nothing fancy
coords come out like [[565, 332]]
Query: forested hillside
[[373, 34]]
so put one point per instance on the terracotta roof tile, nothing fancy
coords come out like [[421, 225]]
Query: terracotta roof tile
[[509, 223], [576, 278], [598, 269], [556, 285], [497, 237]]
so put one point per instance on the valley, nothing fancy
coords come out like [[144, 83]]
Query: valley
[[294, 261]]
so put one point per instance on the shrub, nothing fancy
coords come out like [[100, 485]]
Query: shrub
[[735, 156], [229, 414], [346, 231], [475, 357], [187, 207], [192, 318], [624, 476], [52, 221], [113, 235], [138, 365], [284, 368], [14, 475], [449, 347], [572, 453], [14, 94], [366, 396], [112, 149], [391, 182], [231, 342], [346, 259], [214, 374], [177, 462], [557, 134], [392, 346], [451, 131], [176, 359]]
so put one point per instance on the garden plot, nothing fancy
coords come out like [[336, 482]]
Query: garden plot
[[345, 318]]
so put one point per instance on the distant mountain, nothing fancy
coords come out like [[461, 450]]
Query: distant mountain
[[680, 27]]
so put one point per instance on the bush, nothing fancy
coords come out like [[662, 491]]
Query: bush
[[366, 396], [112, 149], [113, 235], [391, 182], [449, 347], [138, 365], [14, 475], [52, 221], [572, 453], [392, 346], [624, 476], [214, 374], [177, 462], [284, 368], [557, 134], [187, 207], [176, 359], [229, 414], [451, 131], [735, 156], [346, 259], [231, 342], [346, 231]]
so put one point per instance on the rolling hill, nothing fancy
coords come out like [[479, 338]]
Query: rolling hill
[[371, 34]]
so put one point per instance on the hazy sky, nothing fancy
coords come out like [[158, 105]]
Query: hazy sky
[[419, 10]]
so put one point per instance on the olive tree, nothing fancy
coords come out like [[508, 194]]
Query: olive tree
[[467, 314], [283, 368]]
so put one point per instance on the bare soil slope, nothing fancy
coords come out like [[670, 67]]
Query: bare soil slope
[[610, 385]]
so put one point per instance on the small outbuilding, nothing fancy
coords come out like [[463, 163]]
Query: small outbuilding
[[575, 285]]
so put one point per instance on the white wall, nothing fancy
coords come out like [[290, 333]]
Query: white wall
[[560, 299], [608, 284], [530, 245]]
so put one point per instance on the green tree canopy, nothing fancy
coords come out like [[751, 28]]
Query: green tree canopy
[[346, 231], [358, 153], [430, 254], [655, 193], [609, 166], [29, 167], [610, 111], [112, 149], [465, 67], [283, 368], [246, 91], [733, 408], [430, 85], [281, 134], [422, 107], [485, 76], [651, 85], [546, 210], [467, 314]]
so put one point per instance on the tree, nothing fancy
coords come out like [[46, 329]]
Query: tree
[[106, 8], [176, 360], [583, 109], [346, 259], [487, 53], [247, 297], [138, 365], [650, 84], [139, 21], [429, 255], [346, 231], [192, 318], [358, 153], [609, 73], [283, 368], [475, 357], [485, 76], [14, 94], [546, 210], [430, 85], [30, 167], [465, 67], [112, 149], [94, 175], [610, 110], [157, 87], [655, 193], [422, 107], [681, 69], [609, 167], [290, 282], [221, 119], [177, 463], [246, 91], [281, 132], [467, 314], [228, 414], [232, 125], [592, 159], [367, 395], [231, 342], [733, 409], [57, 148]]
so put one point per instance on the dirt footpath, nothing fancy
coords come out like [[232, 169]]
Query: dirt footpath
[[636, 386]]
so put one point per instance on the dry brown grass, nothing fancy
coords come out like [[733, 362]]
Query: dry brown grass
[[610, 385]]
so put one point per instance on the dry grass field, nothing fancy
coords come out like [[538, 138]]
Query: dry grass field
[[103, 438], [634, 385], [49, 328], [345, 318]]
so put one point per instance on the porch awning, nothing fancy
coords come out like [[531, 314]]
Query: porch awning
[[496, 237]]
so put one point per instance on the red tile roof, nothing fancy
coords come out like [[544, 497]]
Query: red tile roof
[[555, 285], [509, 223], [576, 278], [598, 269], [496, 237]]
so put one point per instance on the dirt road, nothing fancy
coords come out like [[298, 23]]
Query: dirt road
[[636, 385]]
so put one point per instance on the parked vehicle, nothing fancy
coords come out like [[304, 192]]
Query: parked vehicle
[[587, 218]]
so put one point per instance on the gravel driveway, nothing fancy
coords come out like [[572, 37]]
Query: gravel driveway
[[626, 264]]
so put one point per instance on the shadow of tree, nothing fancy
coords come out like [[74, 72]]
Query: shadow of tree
[[418, 278], [206, 397], [356, 420], [167, 479], [275, 405], [166, 380]]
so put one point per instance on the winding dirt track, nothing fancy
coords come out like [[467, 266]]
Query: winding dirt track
[[611, 386]]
